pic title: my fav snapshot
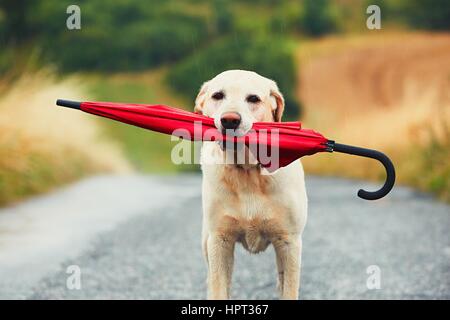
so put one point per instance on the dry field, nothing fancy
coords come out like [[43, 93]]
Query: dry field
[[43, 146], [389, 92]]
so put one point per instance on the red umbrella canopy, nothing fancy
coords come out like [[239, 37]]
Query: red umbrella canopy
[[276, 144]]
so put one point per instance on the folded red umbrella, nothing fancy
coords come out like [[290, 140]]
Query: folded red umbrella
[[288, 139]]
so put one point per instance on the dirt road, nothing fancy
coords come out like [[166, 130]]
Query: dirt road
[[138, 237]]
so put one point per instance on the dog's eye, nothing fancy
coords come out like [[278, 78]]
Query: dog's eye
[[253, 98], [218, 95]]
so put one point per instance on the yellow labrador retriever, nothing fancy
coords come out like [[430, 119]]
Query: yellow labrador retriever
[[240, 203]]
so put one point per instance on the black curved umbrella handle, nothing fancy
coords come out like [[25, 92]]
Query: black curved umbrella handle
[[374, 154]]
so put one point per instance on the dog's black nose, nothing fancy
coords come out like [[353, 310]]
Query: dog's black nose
[[230, 120]]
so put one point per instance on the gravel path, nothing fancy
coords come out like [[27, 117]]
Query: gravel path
[[138, 237]]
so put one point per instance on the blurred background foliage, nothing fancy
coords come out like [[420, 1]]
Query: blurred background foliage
[[132, 35], [274, 61], [161, 51]]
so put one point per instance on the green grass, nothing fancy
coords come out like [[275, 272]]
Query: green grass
[[42, 147], [433, 172]]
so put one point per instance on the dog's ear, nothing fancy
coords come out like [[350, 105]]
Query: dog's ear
[[201, 97], [278, 107]]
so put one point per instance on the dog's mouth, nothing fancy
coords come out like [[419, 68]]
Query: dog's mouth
[[237, 154], [227, 145], [229, 142], [238, 132]]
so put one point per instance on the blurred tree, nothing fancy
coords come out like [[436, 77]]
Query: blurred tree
[[222, 15], [270, 56], [417, 14], [317, 19], [15, 26], [432, 14], [128, 35], [285, 17]]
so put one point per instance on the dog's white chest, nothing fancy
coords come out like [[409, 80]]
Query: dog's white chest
[[254, 222], [254, 209], [253, 205]]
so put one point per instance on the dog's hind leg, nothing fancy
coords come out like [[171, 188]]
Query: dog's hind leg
[[220, 265]]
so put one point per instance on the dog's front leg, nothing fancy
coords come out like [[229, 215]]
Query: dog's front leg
[[288, 252], [220, 250]]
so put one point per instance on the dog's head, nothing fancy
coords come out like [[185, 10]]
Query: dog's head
[[238, 98]]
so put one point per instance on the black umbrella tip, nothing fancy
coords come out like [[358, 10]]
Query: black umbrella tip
[[69, 104]]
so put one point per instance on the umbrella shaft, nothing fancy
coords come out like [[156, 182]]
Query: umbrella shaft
[[68, 104]]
